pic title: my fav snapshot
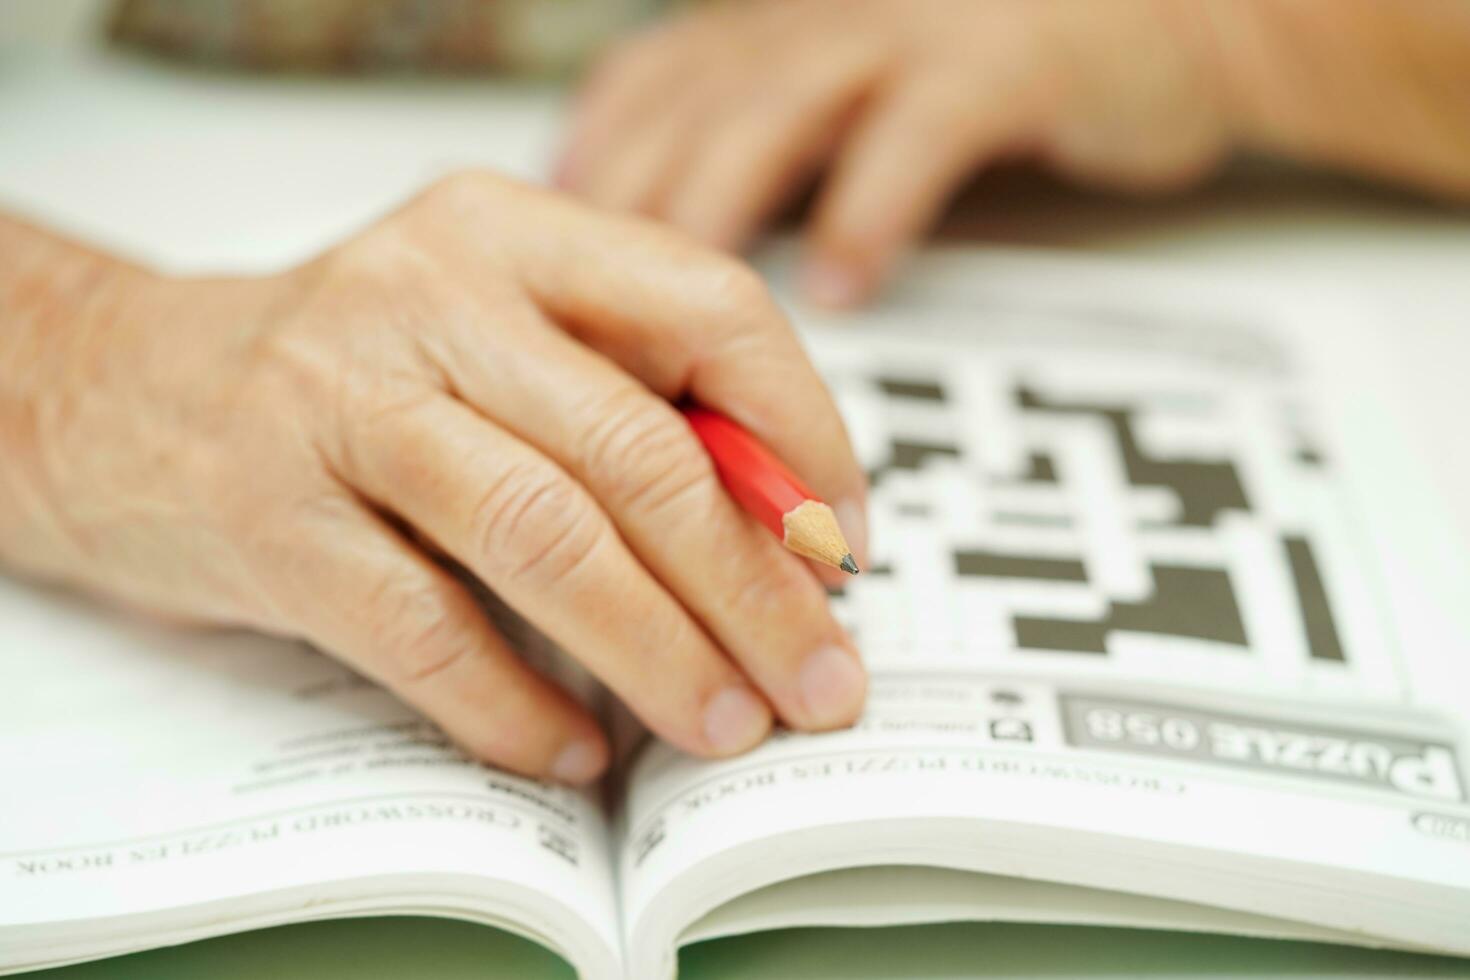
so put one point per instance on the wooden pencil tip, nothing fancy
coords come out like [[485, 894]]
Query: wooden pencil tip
[[812, 531]]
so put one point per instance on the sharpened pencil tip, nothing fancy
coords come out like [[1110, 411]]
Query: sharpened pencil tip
[[848, 565]]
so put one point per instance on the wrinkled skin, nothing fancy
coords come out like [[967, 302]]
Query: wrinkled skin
[[486, 373]]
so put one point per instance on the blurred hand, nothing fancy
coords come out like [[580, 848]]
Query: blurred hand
[[486, 371], [714, 120]]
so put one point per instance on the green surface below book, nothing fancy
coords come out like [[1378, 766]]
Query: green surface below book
[[437, 949]]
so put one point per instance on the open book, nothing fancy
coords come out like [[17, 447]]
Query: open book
[[1158, 625]]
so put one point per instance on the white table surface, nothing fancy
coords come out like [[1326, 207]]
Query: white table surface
[[197, 171]]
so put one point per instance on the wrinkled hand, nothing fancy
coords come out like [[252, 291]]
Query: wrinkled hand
[[487, 371], [715, 119]]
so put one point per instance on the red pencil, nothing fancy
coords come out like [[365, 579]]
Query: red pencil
[[770, 492]]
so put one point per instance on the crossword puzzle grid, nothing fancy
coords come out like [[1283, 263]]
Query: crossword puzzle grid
[[1164, 513]]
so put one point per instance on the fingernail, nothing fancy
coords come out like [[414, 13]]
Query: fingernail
[[734, 720], [852, 517], [831, 284], [832, 685], [577, 763]]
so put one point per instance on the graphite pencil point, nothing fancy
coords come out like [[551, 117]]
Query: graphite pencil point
[[848, 565]]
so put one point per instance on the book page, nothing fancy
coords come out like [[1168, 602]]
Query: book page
[[888, 895], [1125, 581], [162, 785]]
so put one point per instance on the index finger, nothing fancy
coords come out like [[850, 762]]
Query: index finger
[[689, 321]]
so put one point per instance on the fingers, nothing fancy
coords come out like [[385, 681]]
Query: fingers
[[397, 617], [688, 321], [639, 107], [905, 159], [747, 163], [623, 87], [643, 464], [535, 537], [634, 170], [722, 142]]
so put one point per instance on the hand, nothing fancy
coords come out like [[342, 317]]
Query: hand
[[487, 371], [713, 121]]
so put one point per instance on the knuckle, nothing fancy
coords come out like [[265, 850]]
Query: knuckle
[[358, 274], [480, 200], [740, 315], [418, 629], [536, 526], [737, 287], [640, 454], [460, 187], [461, 193], [373, 435]]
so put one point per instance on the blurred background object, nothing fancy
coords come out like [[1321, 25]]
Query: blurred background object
[[534, 37]]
